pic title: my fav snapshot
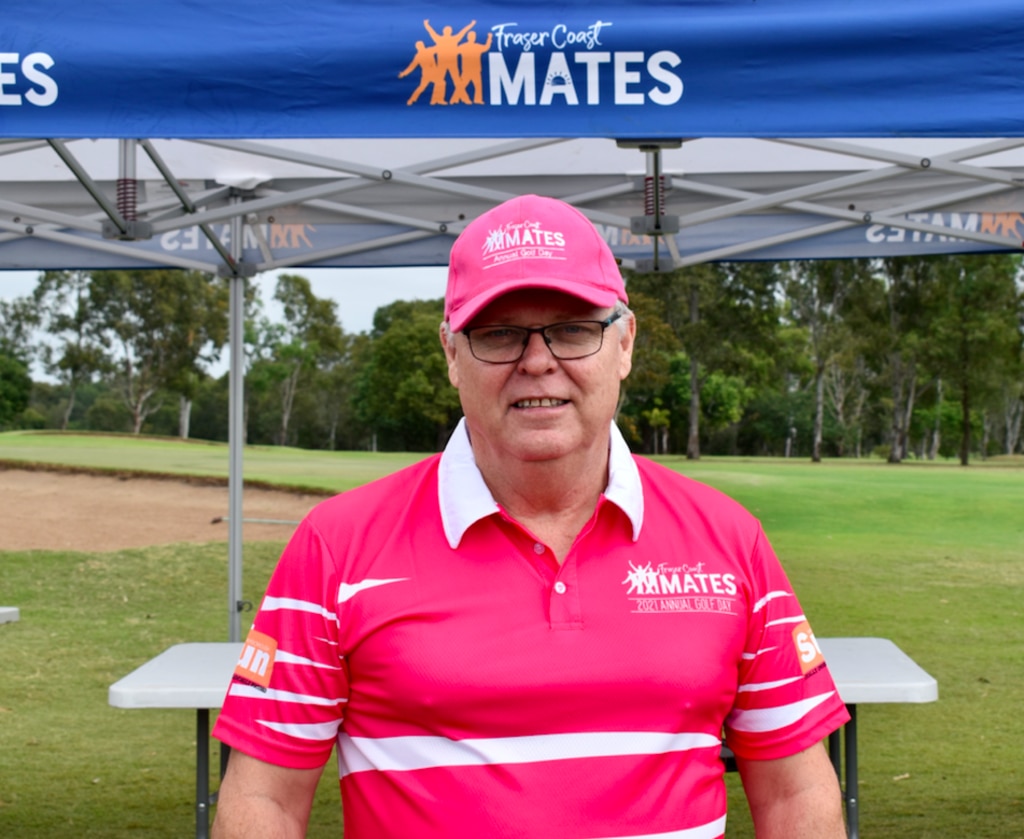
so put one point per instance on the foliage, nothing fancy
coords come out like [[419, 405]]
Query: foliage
[[18, 319], [725, 318], [15, 387], [310, 335], [975, 331], [815, 359], [162, 324], [76, 352], [402, 392]]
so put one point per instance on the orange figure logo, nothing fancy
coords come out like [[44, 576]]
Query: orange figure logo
[[290, 235], [1002, 224], [449, 57]]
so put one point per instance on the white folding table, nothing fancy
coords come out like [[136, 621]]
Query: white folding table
[[9, 614], [196, 675], [185, 676], [868, 670]]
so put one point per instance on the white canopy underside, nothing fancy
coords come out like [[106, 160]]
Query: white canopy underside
[[358, 202]]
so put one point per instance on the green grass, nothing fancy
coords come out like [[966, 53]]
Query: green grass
[[931, 557], [280, 466]]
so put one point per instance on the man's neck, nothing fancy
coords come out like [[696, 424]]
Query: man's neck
[[553, 499]]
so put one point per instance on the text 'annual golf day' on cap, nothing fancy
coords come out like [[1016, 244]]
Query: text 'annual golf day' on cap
[[529, 242]]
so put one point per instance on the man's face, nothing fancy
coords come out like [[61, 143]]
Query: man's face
[[539, 408]]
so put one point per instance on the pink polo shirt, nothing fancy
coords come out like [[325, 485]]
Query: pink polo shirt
[[475, 688]]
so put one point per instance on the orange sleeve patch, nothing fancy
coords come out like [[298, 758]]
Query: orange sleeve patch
[[256, 663], [807, 649]]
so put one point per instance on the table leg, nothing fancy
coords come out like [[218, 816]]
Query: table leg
[[835, 754], [846, 770], [202, 773], [851, 793]]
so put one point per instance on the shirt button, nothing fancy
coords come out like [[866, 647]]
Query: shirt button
[[538, 548], [560, 587]]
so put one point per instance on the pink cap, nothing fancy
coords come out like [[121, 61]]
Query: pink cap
[[529, 242]]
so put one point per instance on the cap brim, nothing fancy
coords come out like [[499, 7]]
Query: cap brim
[[460, 317]]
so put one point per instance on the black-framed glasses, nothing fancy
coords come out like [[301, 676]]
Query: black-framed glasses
[[503, 344]]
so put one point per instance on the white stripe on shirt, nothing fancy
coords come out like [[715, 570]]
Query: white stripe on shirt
[[759, 686], [402, 754], [772, 595], [318, 731], [772, 719], [283, 656], [711, 830], [274, 604], [252, 692]]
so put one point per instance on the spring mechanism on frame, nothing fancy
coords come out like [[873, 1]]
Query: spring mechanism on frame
[[654, 195], [128, 198]]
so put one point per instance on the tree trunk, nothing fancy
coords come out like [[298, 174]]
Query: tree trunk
[[895, 447], [933, 452], [66, 419], [693, 441], [291, 385], [819, 411], [1014, 414], [908, 414], [184, 416], [965, 424]]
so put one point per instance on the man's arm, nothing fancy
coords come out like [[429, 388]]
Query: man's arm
[[794, 797], [258, 800]]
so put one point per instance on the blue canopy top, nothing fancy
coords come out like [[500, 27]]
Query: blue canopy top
[[714, 68]]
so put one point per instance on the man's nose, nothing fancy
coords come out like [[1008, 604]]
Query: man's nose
[[537, 355]]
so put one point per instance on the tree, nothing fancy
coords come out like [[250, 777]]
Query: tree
[[309, 336], [200, 318], [847, 387], [907, 284], [403, 392], [157, 329], [816, 291], [72, 322], [645, 406], [725, 316], [975, 336], [18, 320], [15, 388]]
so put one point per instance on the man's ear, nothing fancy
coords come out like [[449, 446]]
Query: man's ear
[[627, 339], [448, 344]]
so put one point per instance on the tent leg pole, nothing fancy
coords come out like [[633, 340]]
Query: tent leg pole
[[236, 438]]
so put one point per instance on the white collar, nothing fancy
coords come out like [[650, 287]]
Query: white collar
[[465, 499]]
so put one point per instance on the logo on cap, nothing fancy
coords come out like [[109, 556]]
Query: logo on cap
[[522, 240]]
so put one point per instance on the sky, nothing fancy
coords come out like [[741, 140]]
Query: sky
[[359, 292]]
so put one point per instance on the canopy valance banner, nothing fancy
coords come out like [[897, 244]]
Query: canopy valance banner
[[265, 68]]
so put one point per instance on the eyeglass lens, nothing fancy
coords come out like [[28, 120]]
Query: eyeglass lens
[[505, 344]]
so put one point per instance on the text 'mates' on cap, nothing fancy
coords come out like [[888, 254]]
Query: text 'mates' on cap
[[529, 242]]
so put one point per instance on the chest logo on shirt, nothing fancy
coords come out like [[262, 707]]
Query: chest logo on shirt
[[683, 588]]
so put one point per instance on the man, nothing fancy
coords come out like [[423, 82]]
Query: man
[[534, 634]]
